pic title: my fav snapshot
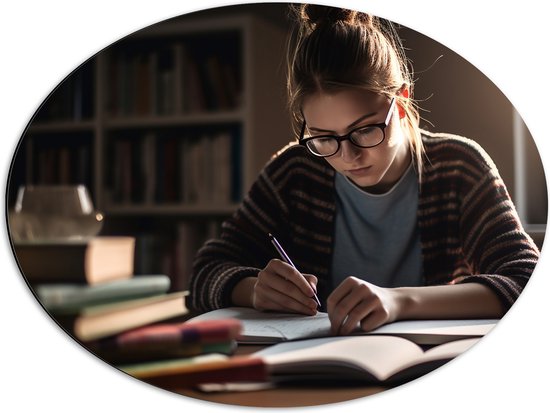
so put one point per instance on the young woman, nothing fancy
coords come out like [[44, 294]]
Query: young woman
[[384, 221]]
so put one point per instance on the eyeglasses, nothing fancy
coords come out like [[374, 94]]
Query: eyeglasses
[[367, 136]]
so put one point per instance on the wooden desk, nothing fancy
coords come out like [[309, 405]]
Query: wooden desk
[[287, 396]]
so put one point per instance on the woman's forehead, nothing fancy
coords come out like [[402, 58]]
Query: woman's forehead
[[329, 111]]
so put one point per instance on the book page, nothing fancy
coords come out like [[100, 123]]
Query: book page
[[437, 331], [448, 349], [268, 327], [349, 357], [357, 357], [433, 358]]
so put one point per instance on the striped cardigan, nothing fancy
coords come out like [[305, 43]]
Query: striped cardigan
[[470, 231]]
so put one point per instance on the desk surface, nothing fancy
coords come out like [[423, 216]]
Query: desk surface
[[287, 396]]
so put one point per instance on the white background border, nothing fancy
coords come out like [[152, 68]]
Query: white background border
[[43, 41]]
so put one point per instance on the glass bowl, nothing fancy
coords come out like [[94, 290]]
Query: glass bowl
[[53, 213]]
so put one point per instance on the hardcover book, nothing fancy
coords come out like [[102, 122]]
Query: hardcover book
[[89, 261], [59, 298], [100, 321]]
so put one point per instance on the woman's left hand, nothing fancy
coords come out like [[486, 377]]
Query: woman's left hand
[[357, 302]]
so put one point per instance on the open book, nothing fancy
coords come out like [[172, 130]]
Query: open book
[[268, 327], [369, 358], [384, 360]]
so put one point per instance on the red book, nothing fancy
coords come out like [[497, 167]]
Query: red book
[[169, 340], [211, 331]]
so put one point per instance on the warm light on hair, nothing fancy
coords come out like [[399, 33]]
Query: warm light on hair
[[335, 49]]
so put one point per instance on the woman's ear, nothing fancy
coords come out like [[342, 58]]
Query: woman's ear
[[404, 93]]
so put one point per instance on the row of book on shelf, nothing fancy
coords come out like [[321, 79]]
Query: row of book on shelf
[[150, 169], [162, 81], [73, 99], [136, 324], [170, 79], [58, 161], [193, 170], [172, 252]]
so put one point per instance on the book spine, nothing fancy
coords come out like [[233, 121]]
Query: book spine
[[211, 331], [173, 335], [161, 352], [75, 297], [237, 369]]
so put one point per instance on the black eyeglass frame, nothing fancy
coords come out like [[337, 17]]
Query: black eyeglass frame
[[340, 138]]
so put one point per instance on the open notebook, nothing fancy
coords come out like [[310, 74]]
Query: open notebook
[[268, 328]]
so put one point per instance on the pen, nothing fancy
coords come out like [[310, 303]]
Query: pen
[[287, 259]]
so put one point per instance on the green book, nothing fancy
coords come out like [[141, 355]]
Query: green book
[[98, 321], [70, 298]]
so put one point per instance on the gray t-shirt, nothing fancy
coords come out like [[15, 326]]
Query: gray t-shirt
[[376, 236]]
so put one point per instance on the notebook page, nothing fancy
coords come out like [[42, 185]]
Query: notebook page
[[265, 327]]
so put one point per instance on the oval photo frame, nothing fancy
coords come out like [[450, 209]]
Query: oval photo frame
[[89, 125]]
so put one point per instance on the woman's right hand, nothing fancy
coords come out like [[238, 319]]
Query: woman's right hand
[[280, 287]]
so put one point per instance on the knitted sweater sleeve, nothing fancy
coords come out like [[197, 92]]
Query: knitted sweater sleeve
[[243, 247], [500, 253]]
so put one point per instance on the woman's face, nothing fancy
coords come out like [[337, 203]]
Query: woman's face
[[375, 169]]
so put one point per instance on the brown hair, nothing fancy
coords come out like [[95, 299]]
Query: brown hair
[[333, 49]]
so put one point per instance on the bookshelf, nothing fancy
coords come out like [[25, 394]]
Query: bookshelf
[[168, 128]]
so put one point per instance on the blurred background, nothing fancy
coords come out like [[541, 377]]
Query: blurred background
[[168, 127]]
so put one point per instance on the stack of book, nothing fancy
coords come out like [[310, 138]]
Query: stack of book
[[179, 354], [130, 321], [89, 288]]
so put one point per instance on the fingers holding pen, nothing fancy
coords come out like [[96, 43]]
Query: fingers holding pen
[[312, 280], [298, 278], [305, 283], [273, 300], [281, 287]]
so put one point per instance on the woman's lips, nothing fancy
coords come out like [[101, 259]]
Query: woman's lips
[[359, 171]]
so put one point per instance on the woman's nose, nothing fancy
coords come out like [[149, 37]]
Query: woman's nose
[[349, 152]]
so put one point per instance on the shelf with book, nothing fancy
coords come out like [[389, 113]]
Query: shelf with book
[[181, 72], [59, 157], [167, 243], [181, 162], [190, 97], [72, 101], [186, 166], [58, 144]]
